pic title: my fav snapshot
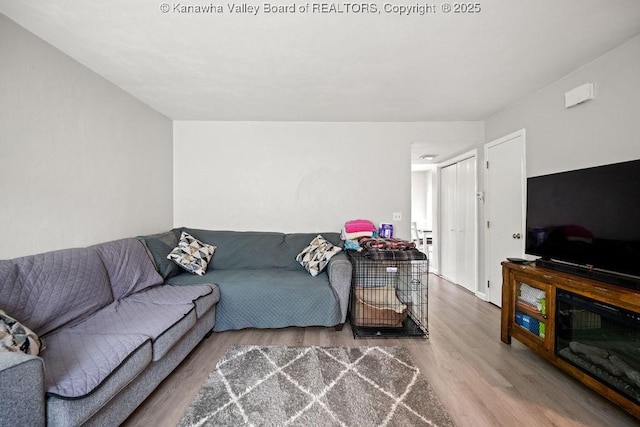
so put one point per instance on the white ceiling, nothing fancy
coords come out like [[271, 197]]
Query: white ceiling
[[330, 67]]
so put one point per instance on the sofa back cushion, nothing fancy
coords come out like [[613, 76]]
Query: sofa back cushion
[[49, 290], [243, 249], [257, 249], [129, 267]]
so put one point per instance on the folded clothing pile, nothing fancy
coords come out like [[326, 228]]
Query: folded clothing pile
[[361, 234], [357, 228]]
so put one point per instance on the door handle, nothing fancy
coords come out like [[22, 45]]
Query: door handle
[[516, 235]]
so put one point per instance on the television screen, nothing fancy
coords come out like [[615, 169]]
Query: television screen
[[587, 217]]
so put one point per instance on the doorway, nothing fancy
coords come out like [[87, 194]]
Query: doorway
[[422, 210], [505, 185]]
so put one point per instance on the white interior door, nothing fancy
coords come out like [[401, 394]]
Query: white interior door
[[447, 237], [466, 224], [505, 182], [458, 231]]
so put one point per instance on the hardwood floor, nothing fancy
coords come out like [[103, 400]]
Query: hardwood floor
[[480, 380]]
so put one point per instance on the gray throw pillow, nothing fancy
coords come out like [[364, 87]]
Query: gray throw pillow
[[159, 246]]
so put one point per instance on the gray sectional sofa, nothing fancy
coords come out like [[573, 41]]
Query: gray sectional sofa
[[118, 317], [112, 332]]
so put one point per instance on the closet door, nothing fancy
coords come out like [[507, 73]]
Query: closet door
[[466, 224], [458, 223], [448, 215]]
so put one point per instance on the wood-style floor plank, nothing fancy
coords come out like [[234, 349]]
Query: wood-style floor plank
[[480, 380]]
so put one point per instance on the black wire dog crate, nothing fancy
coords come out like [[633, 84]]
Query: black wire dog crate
[[388, 297]]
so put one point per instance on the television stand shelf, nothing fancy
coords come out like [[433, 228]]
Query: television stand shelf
[[587, 328]]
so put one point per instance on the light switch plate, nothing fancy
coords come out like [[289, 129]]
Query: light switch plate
[[397, 216]]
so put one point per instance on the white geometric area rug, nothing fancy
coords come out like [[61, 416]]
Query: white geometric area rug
[[316, 386]]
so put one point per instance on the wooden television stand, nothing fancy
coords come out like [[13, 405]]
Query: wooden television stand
[[535, 325]]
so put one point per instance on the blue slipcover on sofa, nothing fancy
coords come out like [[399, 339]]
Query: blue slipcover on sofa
[[261, 283]]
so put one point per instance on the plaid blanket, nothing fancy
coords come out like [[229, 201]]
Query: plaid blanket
[[383, 243], [377, 248], [395, 255]]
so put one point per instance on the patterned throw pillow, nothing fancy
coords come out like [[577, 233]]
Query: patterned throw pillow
[[316, 256], [192, 254], [16, 337]]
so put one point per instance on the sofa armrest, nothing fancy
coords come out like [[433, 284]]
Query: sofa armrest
[[22, 390], [339, 271]]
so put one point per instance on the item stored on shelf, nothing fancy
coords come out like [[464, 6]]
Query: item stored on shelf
[[533, 296], [529, 323]]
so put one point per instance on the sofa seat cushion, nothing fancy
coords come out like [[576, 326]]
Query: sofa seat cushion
[[76, 363], [270, 298], [163, 324], [203, 296]]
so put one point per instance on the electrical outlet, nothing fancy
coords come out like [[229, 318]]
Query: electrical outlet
[[397, 216]]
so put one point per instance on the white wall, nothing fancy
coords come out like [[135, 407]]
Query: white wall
[[298, 176], [604, 130], [81, 161]]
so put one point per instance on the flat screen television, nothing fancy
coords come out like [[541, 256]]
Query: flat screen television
[[587, 222]]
